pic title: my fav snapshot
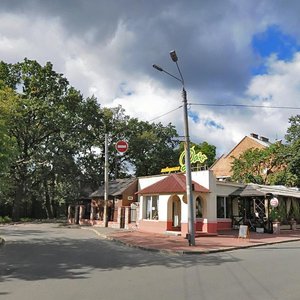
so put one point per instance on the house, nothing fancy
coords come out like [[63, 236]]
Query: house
[[121, 194], [222, 167], [163, 204]]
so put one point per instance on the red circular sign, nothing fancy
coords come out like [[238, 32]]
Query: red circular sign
[[122, 146]]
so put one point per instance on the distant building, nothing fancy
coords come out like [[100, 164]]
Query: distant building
[[222, 167]]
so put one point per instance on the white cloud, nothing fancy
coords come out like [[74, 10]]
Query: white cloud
[[109, 53]]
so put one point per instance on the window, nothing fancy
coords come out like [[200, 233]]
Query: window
[[223, 207], [199, 211], [151, 207]]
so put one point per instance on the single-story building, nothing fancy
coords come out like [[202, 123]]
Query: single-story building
[[158, 204], [163, 203]]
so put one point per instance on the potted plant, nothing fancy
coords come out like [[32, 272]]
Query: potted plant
[[293, 223], [275, 219]]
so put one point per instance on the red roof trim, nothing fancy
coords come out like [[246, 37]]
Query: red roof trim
[[174, 183]]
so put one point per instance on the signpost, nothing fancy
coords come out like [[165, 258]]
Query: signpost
[[122, 146]]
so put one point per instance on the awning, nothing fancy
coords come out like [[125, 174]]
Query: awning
[[256, 190]]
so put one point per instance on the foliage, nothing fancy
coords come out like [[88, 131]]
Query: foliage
[[53, 141], [151, 146], [5, 219], [293, 139], [275, 215], [263, 166]]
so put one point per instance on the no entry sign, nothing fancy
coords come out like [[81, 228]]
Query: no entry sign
[[122, 146]]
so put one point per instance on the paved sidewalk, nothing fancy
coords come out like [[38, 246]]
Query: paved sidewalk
[[226, 241]]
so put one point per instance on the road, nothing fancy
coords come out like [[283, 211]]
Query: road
[[48, 261]]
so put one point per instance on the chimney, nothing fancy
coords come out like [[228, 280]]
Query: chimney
[[254, 135], [264, 139]]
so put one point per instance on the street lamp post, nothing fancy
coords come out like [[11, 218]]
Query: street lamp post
[[189, 191]]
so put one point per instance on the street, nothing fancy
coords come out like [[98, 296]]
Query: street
[[50, 261]]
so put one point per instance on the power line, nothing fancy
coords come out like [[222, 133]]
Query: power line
[[165, 114], [245, 106], [227, 105]]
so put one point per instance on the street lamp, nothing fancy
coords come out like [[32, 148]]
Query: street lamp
[[189, 191]]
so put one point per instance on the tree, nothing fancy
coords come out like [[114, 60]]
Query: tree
[[48, 120], [293, 140], [54, 140], [151, 146], [263, 166]]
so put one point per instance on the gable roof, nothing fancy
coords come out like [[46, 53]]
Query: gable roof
[[115, 188], [173, 183]]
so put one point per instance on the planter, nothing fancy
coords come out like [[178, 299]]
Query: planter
[[293, 225], [276, 227]]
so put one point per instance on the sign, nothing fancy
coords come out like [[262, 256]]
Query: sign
[[274, 202], [169, 170], [122, 146], [195, 157], [244, 232]]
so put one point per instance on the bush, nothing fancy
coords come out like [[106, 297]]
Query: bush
[[25, 220], [5, 219]]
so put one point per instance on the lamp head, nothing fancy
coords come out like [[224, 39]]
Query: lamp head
[[174, 56], [158, 68]]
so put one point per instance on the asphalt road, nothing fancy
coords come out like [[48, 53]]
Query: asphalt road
[[47, 261]]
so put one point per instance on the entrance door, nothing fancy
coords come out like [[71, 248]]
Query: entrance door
[[176, 213]]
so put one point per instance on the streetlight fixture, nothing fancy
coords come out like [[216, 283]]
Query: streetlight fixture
[[189, 191]]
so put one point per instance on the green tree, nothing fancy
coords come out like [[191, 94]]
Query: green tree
[[151, 146], [293, 140], [263, 166], [54, 140], [48, 121]]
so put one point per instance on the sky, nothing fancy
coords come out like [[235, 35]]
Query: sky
[[230, 52]]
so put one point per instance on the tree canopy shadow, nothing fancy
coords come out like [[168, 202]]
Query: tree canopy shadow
[[45, 256]]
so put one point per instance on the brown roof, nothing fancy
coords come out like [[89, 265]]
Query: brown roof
[[174, 183]]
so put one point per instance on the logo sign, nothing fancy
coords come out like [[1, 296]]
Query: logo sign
[[274, 202], [122, 146], [195, 157], [170, 169]]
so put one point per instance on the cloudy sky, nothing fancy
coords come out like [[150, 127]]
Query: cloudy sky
[[231, 52]]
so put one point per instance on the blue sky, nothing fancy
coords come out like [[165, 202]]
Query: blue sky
[[273, 41]]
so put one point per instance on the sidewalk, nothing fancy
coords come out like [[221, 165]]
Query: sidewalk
[[225, 241]]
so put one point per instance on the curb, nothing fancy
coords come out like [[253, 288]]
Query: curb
[[185, 252]]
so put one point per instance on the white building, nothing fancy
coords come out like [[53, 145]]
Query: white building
[[163, 204]]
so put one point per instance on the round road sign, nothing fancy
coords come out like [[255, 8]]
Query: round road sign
[[274, 202], [122, 146]]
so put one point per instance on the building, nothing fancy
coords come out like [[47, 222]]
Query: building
[[222, 167], [91, 210], [163, 203]]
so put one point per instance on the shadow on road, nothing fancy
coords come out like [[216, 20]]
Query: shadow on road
[[46, 256]]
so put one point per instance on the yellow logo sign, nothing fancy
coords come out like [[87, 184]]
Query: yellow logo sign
[[195, 157], [169, 170]]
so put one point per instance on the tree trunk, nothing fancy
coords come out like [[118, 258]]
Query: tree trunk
[[20, 194], [48, 205]]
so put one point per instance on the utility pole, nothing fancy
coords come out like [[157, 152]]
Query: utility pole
[[188, 174], [105, 216]]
